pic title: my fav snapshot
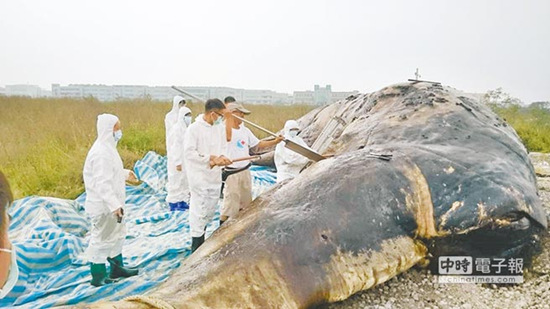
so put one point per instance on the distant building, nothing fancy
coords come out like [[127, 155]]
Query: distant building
[[303, 97], [165, 93], [107, 93], [103, 92], [26, 90], [320, 96]]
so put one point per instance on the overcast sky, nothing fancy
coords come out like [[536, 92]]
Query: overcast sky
[[279, 45]]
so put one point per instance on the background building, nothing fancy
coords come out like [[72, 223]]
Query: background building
[[26, 90], [106, 93], [320, 96], [165, 93]]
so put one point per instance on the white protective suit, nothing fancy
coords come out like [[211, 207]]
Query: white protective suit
[[171, 118], [104, 181], [201, 141], [177, 186], [288, 162]]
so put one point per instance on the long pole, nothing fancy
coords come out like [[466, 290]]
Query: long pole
[[188, 94], [310, 154], [255, 125]]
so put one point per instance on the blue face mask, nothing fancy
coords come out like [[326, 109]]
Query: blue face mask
[[13, 275], [117, 135], [293, 133]]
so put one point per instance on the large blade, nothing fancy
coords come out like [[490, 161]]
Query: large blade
[[306, 152]]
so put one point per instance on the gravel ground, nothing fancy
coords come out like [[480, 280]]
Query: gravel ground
[[418, 288]]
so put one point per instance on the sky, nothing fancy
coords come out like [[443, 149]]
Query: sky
[[283, 45]]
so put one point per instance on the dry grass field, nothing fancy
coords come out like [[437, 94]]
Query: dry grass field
[[44, 142]]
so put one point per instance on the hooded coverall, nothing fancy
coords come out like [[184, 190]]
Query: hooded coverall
[[177, 186], [288, 162], [170, 121], [104, 181], [201, 141]]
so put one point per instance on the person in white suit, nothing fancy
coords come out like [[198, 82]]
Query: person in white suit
[[174, 180], [104, 181], [177, 186], [288, 162], [204, 153]]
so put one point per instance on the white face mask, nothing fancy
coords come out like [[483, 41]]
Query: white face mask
[[218, 121], [187, 120], [293, 133], [13, 274], [118, 135]]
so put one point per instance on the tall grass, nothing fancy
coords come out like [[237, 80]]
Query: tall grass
[[44, 142], [531, 123]]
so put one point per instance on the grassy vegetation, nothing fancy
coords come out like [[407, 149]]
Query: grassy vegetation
[[44, 142], [531, 123]]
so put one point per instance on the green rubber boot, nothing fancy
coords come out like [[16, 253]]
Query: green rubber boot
[[99, 275], [196, 242], [118, 270]]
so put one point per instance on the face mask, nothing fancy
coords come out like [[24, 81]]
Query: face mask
[[293, 133], [187, 120], [218, 121], [12, 276], [117, 135]]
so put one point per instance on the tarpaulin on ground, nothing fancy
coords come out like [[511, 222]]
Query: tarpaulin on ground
[[50, 236]]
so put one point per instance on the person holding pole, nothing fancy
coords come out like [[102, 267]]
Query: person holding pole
[[204, 153], [236, 176]]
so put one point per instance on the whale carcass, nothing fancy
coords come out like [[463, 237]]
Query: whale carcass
[[459, 182]]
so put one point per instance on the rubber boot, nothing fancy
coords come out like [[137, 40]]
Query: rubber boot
[[118, 270], [99, 275], [196, 242], [183, 206], [173, 206]]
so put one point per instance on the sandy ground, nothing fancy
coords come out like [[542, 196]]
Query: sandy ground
[[418, 288]]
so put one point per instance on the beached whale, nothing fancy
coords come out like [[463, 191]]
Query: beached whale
[[419, 170]]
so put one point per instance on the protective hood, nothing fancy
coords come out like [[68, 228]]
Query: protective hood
[[290, 124], [176, 102], [171, 117], [105, 124], [181, 116], [289, 163]]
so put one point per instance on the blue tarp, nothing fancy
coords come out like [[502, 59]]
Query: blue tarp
[[51, 236]]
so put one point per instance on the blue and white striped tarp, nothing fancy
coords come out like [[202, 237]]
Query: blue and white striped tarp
[[51, 235]]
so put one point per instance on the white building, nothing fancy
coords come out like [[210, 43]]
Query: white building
[[106, 93], [303, 97], [165, 93], [26, 90], [320, 96]]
